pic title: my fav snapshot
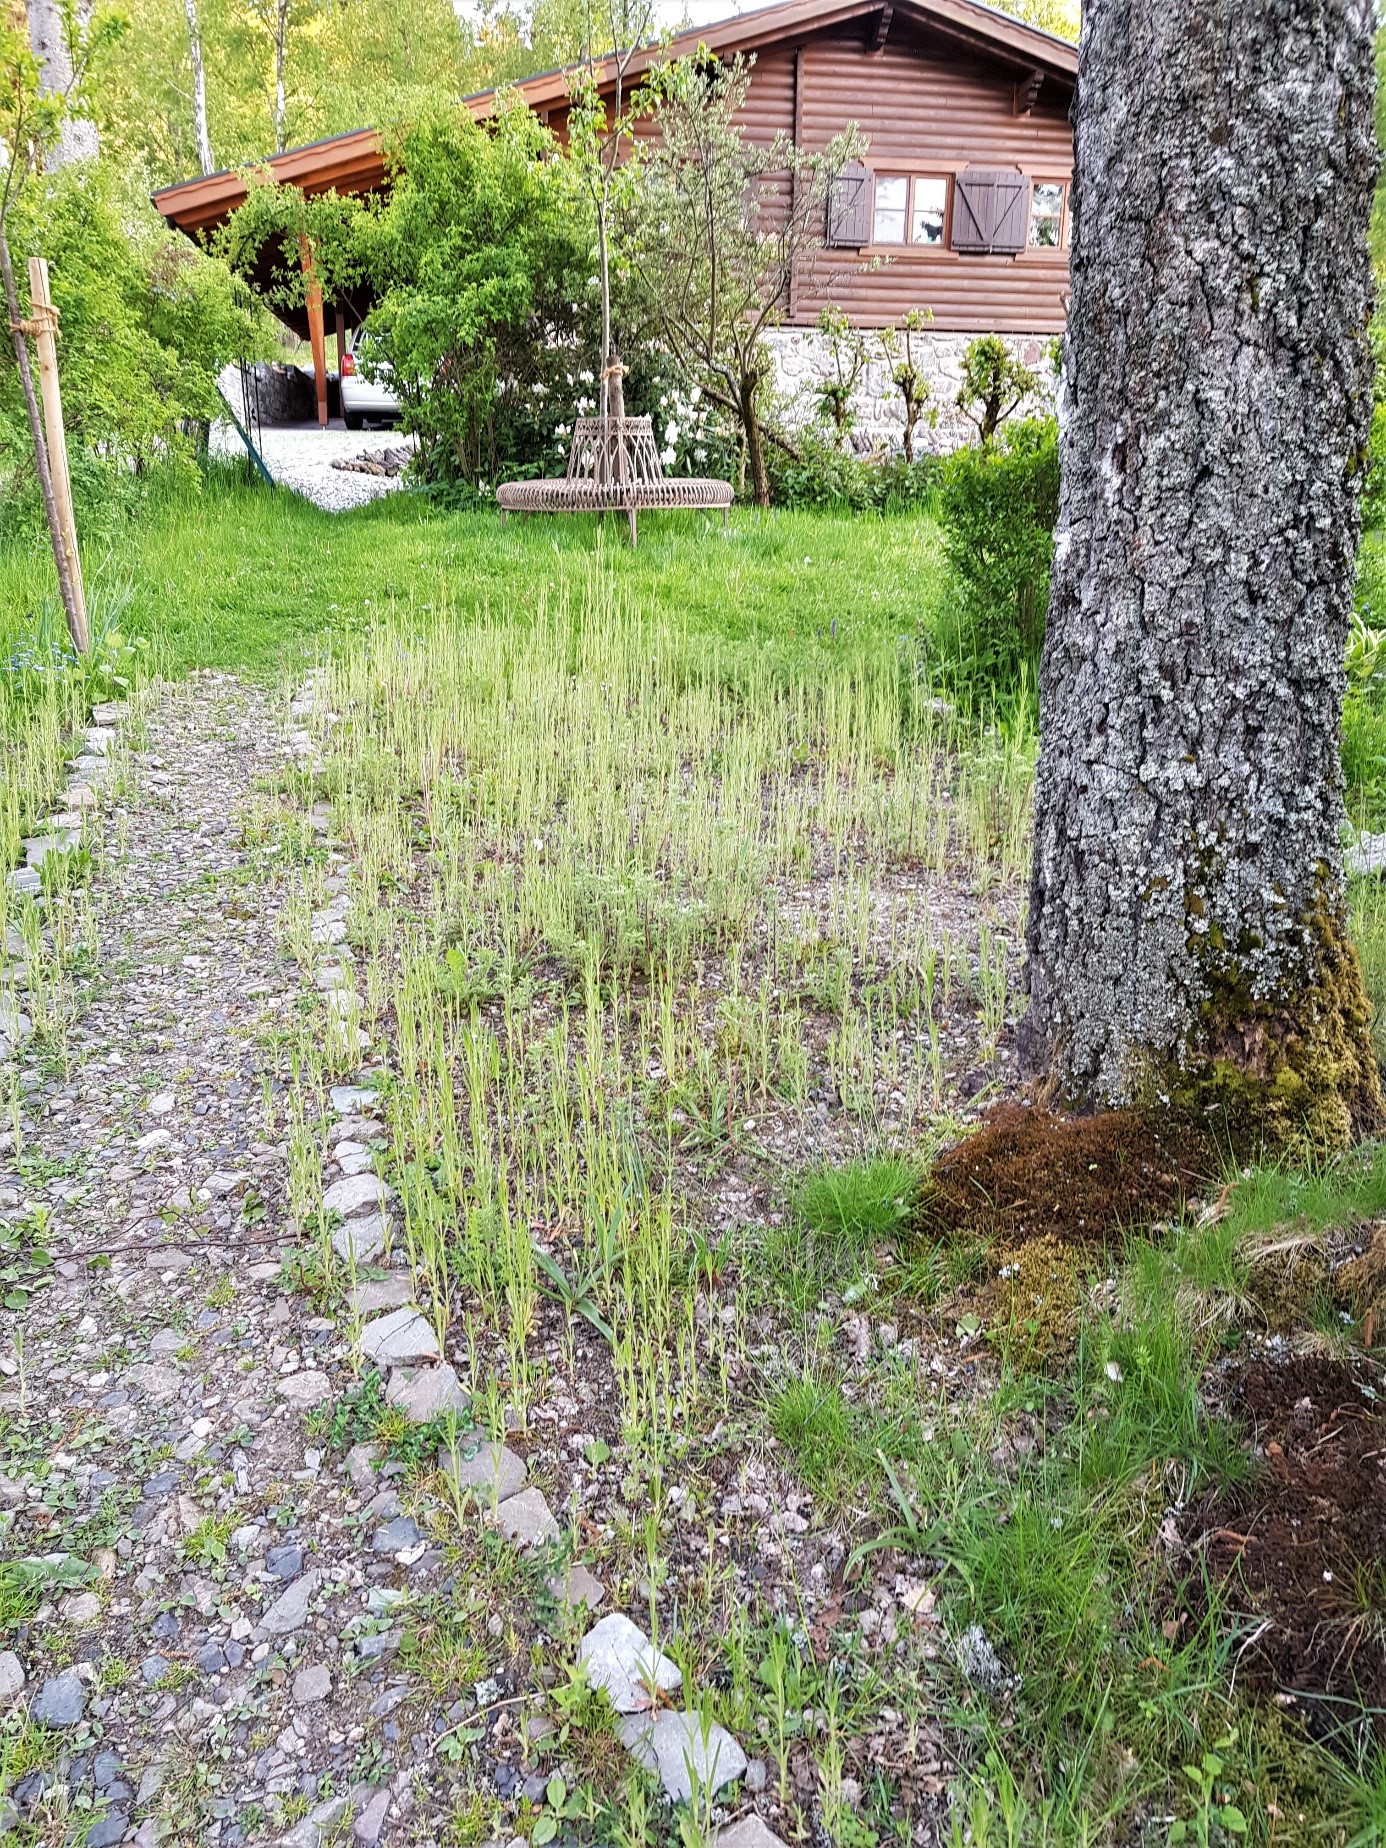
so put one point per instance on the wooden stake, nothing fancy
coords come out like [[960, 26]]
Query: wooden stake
[[45, 319], [313, 302]]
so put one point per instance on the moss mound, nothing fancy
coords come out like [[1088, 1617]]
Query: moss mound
[[1030, 1173]]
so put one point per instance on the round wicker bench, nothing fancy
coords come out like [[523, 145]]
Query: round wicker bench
[[614, 467]]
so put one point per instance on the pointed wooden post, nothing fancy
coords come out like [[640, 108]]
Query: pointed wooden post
[[45, 320], [316, 332]]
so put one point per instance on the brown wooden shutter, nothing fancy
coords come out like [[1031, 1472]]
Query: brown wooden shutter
[[849, 207], [991, 211]]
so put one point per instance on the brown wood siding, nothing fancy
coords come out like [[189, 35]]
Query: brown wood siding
[[928, 109]]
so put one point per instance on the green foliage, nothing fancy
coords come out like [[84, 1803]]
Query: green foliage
[[328, 228], [823, 475], [146, 324], [994, 385], [999, 504], [810, 1417], [482, 259], [851, 1208]]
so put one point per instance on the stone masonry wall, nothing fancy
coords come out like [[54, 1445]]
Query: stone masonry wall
[[803, 358]]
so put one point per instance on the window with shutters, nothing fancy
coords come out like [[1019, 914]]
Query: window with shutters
[[849, 207], [930, 210], [892, 205], [991, 211], [1047, 215]]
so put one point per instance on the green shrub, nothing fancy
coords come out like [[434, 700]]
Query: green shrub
[[823, 476], [998, 505]]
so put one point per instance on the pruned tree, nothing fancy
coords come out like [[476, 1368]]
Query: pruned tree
[[907, 375], [848, 356], [722, 223], [994, 385], [1187, 934]]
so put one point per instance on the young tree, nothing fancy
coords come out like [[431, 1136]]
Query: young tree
[[1186, 932], [847, 351], [721, 226], [613, 33], [994, 383], [32, 118]]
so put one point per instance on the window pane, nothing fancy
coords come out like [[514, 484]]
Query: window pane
[[892, 197], [930, 209], [1046, 214]]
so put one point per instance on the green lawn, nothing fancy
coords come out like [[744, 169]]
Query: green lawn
[[239, 576]]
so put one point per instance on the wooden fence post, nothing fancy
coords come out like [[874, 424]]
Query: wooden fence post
[[45, 318]]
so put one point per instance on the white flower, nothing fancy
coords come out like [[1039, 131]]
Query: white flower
[[667, 458], [695, 394], [700, 454], [671, 433], [1114, 1373]]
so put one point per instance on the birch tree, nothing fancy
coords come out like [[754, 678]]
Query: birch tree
[[1186, 932], [199, 89], [52, 27]]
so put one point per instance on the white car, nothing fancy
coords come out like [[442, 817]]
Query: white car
[[366, 398]]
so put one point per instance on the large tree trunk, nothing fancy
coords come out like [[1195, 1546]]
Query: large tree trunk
[[1186, 929], [78, 139], [199, 89]]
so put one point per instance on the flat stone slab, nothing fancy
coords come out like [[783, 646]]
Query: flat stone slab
[[289, 1612], [577, 1586], [356, 1193], [750, 1832], [354, 1099], [61, 1701], [1367, 855], [382, 1292], [617, 1657], [685, 1751], [426, 1393], [526, 1519], [402, 1338], [490, 1471], [11, 1676], [309, 1387], [360, 1240]]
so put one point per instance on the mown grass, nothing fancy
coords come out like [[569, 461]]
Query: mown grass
[[216, 572]]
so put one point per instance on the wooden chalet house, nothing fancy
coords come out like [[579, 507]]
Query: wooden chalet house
[[961, 205]]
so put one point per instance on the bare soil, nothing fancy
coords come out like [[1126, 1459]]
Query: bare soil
[[1300, 1546]]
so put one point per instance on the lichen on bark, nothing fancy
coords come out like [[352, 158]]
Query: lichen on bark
[[1187, 910]]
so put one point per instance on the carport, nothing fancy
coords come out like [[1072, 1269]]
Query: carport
[[351, 164]]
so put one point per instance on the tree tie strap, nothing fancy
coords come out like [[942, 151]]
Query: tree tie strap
[[43, 319]]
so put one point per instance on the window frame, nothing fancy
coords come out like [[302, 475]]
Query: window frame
[[946, 180], [912, 175], [890, 243], [1059, 248]]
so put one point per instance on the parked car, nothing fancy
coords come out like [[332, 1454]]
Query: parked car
[[368, 391]]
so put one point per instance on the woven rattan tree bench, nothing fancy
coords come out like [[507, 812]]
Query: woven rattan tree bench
[[613, 467]]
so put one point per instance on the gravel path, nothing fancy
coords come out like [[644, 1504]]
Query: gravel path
[[230, 1655]]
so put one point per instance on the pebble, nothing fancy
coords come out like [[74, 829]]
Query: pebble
[[306, 1388], [356, 1193], [526, 1519], [750, 1832], [289, 1612], [402, 1338], [688, 1752], [312, 1685], [476, 1464], [11, 1676], [427, 1393]]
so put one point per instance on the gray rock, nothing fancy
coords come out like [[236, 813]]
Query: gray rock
[[360, 1240], [526, 1519], [356, 1193], [311, 1685], [979, 1661], [426, 1393], [165, 1627], [1367, 855], [210, 1658], [318, 1826], [153, 1668], [402, 1338], [382, 1293], [61, 1701], [750, 1832], [687, 1752], [106, 1831], [305, 1388], [617, 1657], [285, 1562], [360, 1467], [105, 1769], [397, 1537], [578, 1586], [11, 1676], [355, 1100], [756, 1774], [371, 1821], [289, 1612], [489, 1470]]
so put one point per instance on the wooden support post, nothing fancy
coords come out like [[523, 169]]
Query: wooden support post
[[313, 303], [45, 317], [341, 338]]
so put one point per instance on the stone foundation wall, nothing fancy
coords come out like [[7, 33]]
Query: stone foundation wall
[[803, 357]]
